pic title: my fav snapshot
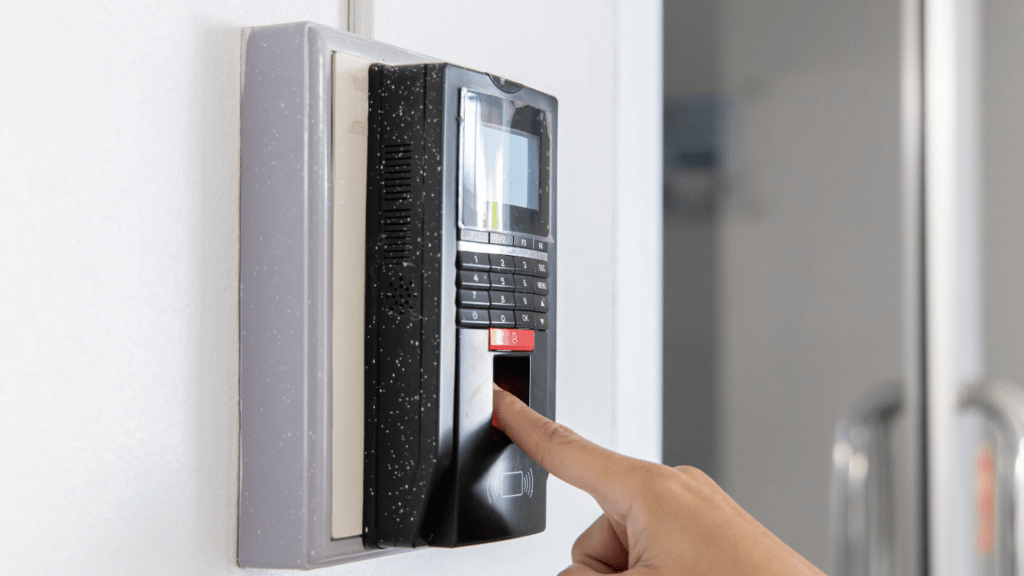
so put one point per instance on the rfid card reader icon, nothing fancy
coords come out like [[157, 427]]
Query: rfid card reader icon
[[510, 485]]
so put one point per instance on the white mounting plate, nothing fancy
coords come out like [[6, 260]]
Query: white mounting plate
[[303, 190]]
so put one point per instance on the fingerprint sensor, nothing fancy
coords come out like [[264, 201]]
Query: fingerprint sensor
[[512, 374]]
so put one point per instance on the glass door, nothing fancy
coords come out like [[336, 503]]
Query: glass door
[[786, 257]]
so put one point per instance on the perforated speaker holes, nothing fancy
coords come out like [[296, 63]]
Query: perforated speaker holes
[[400, 296]]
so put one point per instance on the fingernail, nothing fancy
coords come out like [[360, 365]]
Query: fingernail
[[494, 413]]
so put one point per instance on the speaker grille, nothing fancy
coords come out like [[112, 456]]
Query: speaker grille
[[396, 204], [400, 296]]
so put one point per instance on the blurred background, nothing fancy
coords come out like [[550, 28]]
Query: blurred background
[[783, 243], [793, 271]]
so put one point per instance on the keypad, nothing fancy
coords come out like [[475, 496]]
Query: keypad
[[474, 299], [502, 291], [528, 265], [502, 282], [502, 263], [503, 300], [542, 268], [524, 301], [524, 319], [503, 239], [471, 318], [524, 283], [474, 261], [474, 236], [503, 318], [473, 279], [540, 303]]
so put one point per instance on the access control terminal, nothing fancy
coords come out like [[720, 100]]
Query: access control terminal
[[460, 293], [397, 256]]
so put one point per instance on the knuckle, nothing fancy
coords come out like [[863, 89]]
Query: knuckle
[[577, 550], [694, 478], [665, 483], [689, 471]]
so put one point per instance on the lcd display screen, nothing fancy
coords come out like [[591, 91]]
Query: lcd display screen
[[505, 172], [507, 167]]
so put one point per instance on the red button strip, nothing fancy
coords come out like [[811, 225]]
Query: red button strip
[[511, 340]]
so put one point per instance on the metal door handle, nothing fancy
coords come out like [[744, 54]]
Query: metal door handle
[[863, 502], [1003, 405]]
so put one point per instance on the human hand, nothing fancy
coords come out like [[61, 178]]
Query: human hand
[[657, 519]]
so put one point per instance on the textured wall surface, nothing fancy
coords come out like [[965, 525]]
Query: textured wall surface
[[119, 265]]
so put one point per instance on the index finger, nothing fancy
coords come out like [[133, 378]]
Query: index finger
[[596, 470]]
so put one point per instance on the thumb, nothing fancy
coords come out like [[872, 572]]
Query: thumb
[[581, 570]]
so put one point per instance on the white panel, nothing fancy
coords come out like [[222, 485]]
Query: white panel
[[638, 229], [351, 85]]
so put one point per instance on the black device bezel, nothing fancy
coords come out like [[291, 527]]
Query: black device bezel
[[428, 427]]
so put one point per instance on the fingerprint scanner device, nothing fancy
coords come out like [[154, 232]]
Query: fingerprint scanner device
[[460, 285], [397, 257]]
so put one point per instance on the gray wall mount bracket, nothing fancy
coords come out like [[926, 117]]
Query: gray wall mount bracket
[[285, 304]]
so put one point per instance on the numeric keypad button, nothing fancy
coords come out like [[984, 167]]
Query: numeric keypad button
[[503, 318], [524, 319], [526, 266], [473, 299], [503, 300], [542, 268], [502, 263], [469, 318], [473, 261], [472, 279], [540, 285], [540, 303], [502, 282], [540, 321], [524, 301], [524, 284]]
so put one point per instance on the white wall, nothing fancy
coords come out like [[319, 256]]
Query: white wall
[[119, 269]]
